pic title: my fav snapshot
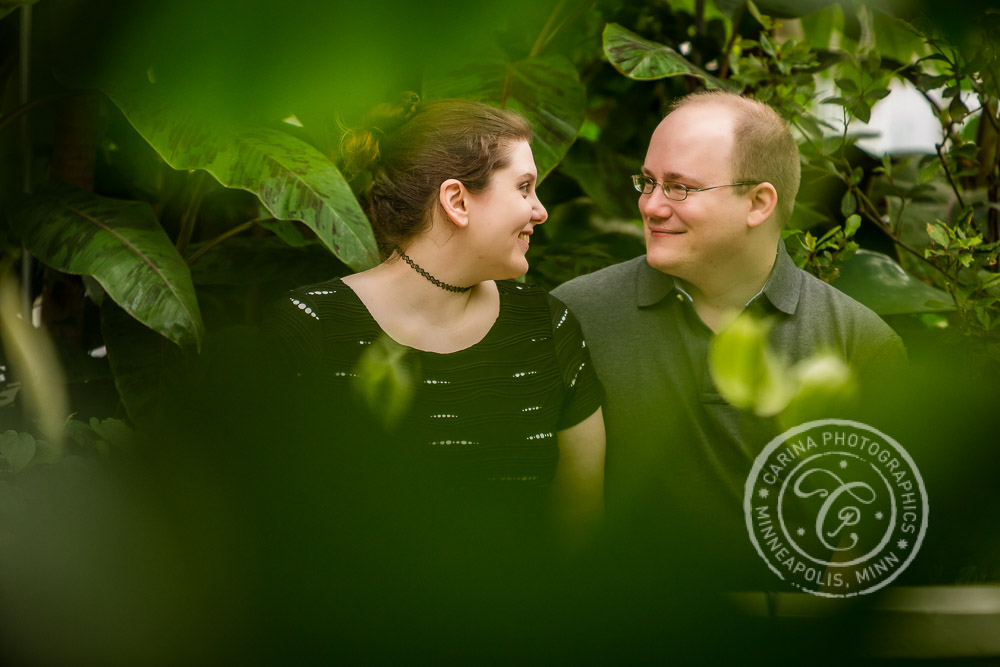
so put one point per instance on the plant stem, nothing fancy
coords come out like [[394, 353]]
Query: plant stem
[[219, 239], [737, 19], [871, 212], [222, 237], [947, 173], [191, 214]]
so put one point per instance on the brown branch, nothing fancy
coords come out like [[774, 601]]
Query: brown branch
[[737, 19], [872, 214], [947, 173]]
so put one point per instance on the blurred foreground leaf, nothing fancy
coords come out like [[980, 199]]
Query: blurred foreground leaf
[[33, 360], [384, 381]]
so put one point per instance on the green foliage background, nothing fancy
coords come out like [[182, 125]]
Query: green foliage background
[[203, 145], [175, 167]]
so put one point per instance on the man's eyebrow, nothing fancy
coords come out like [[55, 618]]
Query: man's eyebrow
[[669, 176]]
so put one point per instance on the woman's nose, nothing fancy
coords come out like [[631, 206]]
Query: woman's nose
[[540, 214]]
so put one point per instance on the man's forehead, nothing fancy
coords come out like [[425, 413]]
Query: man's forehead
[[689, 142]]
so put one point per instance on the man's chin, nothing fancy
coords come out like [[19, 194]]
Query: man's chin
[[662, 261]]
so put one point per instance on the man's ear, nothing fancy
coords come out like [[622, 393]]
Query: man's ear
[[454, 202], [763, 200]]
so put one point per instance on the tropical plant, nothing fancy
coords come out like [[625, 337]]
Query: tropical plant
[[182, 216]]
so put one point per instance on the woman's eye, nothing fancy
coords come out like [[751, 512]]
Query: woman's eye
[[525, 188]]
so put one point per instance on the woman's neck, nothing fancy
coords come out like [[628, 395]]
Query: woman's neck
[[417, 313]]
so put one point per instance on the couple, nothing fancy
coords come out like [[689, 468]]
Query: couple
[[502, 373]]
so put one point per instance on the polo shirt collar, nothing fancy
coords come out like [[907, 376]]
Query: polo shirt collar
[[781, 289], [785, 282]]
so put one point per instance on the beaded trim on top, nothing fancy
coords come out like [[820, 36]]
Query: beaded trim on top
[[439, 283]]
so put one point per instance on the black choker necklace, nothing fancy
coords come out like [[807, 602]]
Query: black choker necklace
[[442, 285]]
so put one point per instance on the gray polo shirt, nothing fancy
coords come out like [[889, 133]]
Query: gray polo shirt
[[675, 447]]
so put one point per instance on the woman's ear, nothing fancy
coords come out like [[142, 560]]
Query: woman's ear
[[763, 200], [454, 199]]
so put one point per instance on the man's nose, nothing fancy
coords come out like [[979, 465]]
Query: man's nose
[[656, 204]]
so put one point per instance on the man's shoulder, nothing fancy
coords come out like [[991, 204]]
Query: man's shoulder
[[820, 302], [610, 280]]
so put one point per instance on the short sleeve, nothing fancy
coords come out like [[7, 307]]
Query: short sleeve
[[582, 389]]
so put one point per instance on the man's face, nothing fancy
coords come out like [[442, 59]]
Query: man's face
[[706, 231]]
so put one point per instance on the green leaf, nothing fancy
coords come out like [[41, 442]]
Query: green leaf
[[957, 109], [115, 432], [546, 90], [848, 86], [894, 38], [17, 448], [293, 180], [121, 244], [966, 151], [939, 235], [848, 204], [880, 283], [644, 60], [929, 171], [851, 225]]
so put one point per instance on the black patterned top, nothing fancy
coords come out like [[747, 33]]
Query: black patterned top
[[491, 412]]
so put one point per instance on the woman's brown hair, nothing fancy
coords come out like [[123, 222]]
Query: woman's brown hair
[[411, 148]]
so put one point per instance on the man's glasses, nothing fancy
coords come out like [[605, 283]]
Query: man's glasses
[[675, 191]]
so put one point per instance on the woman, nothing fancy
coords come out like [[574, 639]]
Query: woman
[[503, 393]]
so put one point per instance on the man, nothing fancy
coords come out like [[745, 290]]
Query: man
[[718, 183]]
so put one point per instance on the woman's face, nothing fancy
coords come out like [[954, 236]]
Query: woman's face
[[502, 217]]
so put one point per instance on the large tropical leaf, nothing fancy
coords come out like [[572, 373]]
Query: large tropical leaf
[[293, 180], [881, 284], [644, 60], [121, 244], [546, 90], [604, 175]]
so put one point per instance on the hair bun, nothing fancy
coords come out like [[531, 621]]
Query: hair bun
[[360, 147]]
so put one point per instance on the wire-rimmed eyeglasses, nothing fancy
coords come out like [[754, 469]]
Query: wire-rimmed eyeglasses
[[675, 191]]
